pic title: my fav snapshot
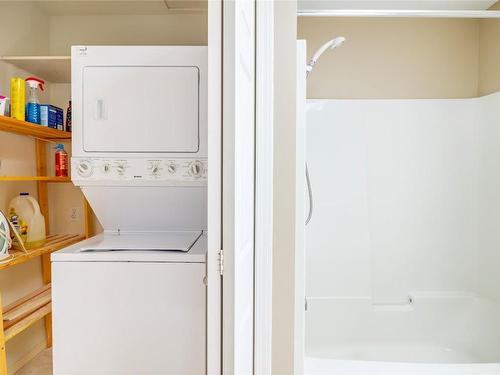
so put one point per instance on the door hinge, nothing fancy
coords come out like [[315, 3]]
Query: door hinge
[[221, 261]]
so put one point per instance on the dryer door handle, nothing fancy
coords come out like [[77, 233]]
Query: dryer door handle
[[100, 110]]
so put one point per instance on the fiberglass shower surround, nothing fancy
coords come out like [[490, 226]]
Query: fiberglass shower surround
[[406, 205]]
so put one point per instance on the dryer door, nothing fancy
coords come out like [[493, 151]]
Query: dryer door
[[147, 109]]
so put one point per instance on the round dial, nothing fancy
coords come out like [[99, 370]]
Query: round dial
[[155, 168], [106, 167], [196, 169], [85, 168], [171, 168], [120, 168]]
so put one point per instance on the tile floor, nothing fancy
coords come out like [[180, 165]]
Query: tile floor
[[40, 365]]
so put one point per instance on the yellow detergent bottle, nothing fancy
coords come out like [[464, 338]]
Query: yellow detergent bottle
[[17, 98]]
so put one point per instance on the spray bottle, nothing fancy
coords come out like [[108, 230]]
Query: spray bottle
[[32, 102]]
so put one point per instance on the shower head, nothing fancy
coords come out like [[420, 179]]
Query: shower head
[[331, 44]]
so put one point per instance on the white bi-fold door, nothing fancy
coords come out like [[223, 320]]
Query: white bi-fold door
[[238, 185]]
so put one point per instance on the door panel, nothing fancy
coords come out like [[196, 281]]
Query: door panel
[[118, 100], [239, 184], [128, 318]]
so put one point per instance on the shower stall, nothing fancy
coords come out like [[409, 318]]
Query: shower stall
[[403, 248], [401, 190]]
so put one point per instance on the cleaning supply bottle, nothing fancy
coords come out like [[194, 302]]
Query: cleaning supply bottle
[[17, 98], [61, 161], [68, 118], [33, 103], [24, 214]]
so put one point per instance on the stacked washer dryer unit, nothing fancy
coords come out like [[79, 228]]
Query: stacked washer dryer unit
[[133, 299]]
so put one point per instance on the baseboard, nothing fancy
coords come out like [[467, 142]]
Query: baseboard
[[16, 366]]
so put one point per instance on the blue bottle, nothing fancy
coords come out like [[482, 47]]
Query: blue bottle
[[32, 101]]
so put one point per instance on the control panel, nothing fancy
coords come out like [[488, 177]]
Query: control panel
[[175, 171]]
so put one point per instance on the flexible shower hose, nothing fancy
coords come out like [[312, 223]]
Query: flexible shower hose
[[309, 192]]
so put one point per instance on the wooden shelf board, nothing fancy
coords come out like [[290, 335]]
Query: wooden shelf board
[[54, 69], [24, 312], [25, 306], [23, 300], [53, 243], [27, 322], [36, 178], [11, 125]]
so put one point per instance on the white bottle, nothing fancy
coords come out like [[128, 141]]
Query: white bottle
[[24, 214]]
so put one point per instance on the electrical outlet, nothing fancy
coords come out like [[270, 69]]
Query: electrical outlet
[[74, 214]]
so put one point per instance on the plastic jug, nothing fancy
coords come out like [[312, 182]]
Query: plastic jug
[[24, 214]]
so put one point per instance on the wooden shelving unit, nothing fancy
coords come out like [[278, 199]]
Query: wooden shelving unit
[[20, 315]]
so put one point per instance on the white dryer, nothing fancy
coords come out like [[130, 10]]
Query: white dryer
[[132, 300]]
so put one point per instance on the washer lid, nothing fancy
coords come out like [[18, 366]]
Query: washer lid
[[186, 247], [160, 241]]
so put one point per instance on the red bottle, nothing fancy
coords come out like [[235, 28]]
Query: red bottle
[[61, 161]]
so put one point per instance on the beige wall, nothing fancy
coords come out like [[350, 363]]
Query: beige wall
[[122, 30], [489, 55], [393, 58]]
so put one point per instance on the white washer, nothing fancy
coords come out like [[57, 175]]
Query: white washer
[[130, 311], [133, 299]]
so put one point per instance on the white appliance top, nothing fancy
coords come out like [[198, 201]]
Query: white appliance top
[[155, 247]]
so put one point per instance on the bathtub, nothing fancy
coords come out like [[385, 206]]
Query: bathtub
[[435, 333]]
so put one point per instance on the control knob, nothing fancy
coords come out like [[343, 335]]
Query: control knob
[[171, 168], [120, 168], [196, 169], [85, 168], [106, 167], [155, 168]]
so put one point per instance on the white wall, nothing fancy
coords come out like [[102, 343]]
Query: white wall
[[402, 190]]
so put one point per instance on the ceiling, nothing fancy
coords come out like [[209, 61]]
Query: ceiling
[[120, 7], [395, 4], [162, 7]]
